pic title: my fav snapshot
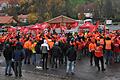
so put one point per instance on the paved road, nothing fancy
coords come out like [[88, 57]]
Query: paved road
[[83, 71]]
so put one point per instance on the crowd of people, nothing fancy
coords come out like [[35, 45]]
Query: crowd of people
[[41, 48]]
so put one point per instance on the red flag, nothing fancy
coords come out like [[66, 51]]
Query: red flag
[[97, 24], [104, 28]]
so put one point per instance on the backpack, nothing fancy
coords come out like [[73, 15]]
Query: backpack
[[37, 49], [44, 49]]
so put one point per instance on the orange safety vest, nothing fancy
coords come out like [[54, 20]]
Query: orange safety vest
[[27, 45], [98, 51], [108, 44], [80, 46], [102, 41], [92, 46]]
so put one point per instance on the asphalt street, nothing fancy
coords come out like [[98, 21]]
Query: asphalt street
[[83, 71]]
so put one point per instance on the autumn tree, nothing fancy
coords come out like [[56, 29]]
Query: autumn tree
[[32, 18], [108, 11]]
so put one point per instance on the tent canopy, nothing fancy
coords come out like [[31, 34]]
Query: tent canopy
[[61, 19], [62, 22]]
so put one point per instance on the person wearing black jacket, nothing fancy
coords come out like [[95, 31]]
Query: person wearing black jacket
[[71, 55], [55, 52], [7, 53], [18, 56], [38, 53]]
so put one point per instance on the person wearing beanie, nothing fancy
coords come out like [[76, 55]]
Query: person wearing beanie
[[7, 53], [55, 54], [92, 47], [71, 56]]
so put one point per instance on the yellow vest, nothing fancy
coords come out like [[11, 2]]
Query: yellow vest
[[33, 47]]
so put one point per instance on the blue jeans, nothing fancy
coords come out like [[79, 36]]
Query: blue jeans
[[8, 67], [70, 66], [18, 68], [33, 58], [108, 56], [38, 59]]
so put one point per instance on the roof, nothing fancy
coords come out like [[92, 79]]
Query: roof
[[3, 1], [6, 19], [9, 1], [62, 19]]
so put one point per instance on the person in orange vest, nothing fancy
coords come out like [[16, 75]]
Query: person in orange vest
[[80, 46], [102, 43], [27, 47], [92, 47], [99, 57], [108, 48]]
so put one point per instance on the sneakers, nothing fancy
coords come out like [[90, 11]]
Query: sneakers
[[9, 74], [72, 73], [39, 67], [6, 74], [20, 76], [103, 69]]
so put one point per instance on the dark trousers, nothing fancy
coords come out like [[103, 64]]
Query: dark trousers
[[45, 58], [54, 62], [102, 62], [1, 47], [13, 66], [17, 67], [27, 56], [61, 59], [8, 67], [108, 56], [92, 56], [65, 60]]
